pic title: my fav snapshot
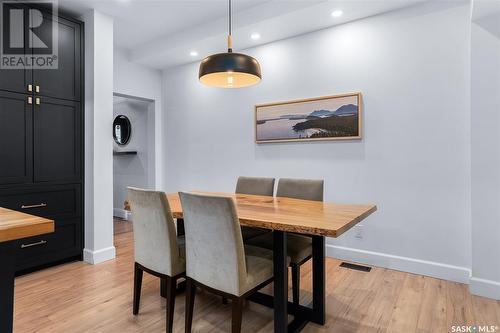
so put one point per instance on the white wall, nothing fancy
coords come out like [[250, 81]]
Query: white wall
[[106, 72], [98, 139], [132, 170], [138, 81], [485, 109], [412, 67]]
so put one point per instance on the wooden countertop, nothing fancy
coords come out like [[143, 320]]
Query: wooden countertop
[[293, 215], [16, 225]]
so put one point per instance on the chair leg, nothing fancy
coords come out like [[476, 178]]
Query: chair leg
[[170, 286], [237, 315], [163, 287], [296, 284], [190, 295], [137, 288]]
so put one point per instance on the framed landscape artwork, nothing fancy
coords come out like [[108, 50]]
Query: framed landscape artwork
[[323, 118]]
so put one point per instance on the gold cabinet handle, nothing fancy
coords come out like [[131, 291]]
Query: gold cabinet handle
[[37, 100], [30, 87], [34, 206], [30, 100], [37, 88], [23, 246]]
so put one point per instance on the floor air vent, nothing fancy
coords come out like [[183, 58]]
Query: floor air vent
[[356, 267]]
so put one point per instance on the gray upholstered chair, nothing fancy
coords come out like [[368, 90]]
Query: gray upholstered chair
[[306, 189], [299, 247], [255, 186], [216, 258], [158, 250]]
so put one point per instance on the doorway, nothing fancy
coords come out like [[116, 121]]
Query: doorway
[[133, 153]]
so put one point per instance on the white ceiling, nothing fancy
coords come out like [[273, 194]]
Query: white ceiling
[[139, 21], [486, 13], [161, 33]]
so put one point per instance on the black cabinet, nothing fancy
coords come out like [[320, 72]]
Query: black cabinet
[[15, 80], [16, 138], [50, 201], [65, 82], [41, 146], [40, 250], [57, 141]]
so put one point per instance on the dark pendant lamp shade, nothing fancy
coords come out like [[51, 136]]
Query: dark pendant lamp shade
[[229, 70]]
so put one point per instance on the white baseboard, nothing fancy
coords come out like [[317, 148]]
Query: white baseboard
[[405, 264], [122, 213], [96, 257], [485, 288]]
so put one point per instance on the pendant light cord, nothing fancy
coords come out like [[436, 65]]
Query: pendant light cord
[[229, 37]]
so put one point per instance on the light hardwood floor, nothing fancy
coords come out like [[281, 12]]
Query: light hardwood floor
[[78, 297], [120, 226]]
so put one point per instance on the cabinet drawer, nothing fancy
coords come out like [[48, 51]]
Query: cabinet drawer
[[59, 201], [39, 249]]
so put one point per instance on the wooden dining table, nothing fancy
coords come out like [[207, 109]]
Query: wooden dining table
[[285, 215]]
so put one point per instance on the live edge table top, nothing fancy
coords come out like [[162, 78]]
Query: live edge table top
[[16, 225], [291, 215]]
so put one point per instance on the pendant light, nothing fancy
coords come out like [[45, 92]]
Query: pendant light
[[229, 70]]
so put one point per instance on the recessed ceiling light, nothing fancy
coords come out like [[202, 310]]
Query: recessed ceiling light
[[193, 53], [255, 36], [337, 13]]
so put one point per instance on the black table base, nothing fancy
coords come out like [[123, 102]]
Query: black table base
[[316, 311], [6, 286]]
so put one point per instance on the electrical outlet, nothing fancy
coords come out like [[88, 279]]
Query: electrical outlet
[[358, 231]]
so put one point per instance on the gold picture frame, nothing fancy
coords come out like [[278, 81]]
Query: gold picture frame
[[335, 117]]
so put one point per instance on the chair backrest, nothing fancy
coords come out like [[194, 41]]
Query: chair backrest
[[155, 239], [255, 185], [306, 189], [215, 255]]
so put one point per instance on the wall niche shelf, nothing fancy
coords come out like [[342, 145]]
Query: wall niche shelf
[[128, 152]]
